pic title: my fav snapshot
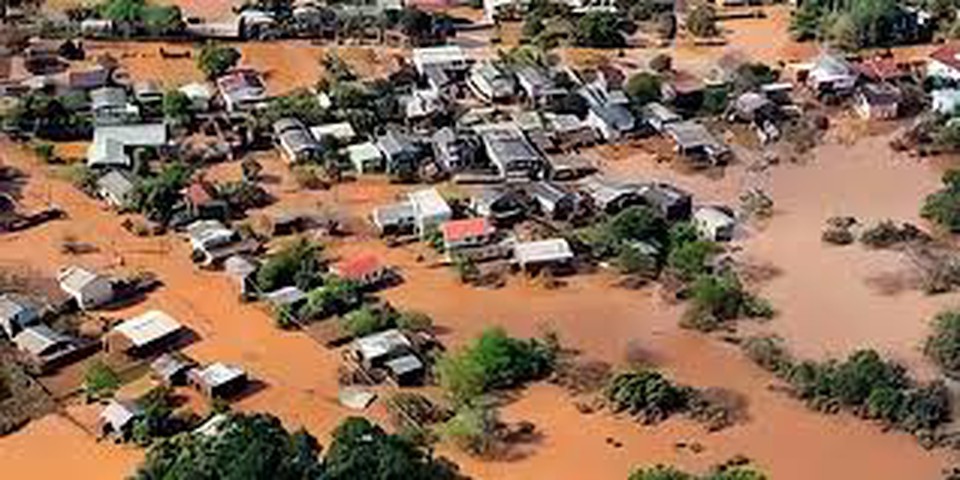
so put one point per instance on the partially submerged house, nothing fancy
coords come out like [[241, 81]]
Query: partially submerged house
[[831, 73], [608, 196], [115, 187], [171, 368], [365, 157], [394, 219], [672, 203], [877, 101], [366, 270], [452, 151], [429, 210], [342, 131], [219, 380], [112, 145], [242, 89], [658, 116], [295, 141], [88, 289], [118, 417], [554, 201], [146, 333], [393, 351], [694, 141], [945, 101], [46, 347], [289, 297], [608, 112], [241, 269], [401, 153], [537, 85], [945, 62], [16, 314], [199, 94], [543, 253], [467, 233], [502, 206], [212, 241], [714, 223], [111, 107], [442, 66]]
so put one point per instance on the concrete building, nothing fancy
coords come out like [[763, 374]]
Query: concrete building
[[295, 141], [467, 233], [112, 145], [219, 380], [877, 101], [241, 90], [365, 157], [540, 253], [115, 187], [429, 210], [111, 107]]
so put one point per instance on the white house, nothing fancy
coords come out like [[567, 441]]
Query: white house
[[200, 96], [365, 157], [89, 289], [945, 101], [832, 73], [714, 223], [429, 210]]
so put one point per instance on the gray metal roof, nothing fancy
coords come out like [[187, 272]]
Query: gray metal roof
[[108, 97], [404, 365], [285, 296], [381, 344], [116, 183], [40, 340]]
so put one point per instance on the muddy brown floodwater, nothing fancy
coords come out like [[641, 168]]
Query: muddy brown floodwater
[[827, 308]]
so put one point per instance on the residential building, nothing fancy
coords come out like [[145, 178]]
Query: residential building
[[242, 269], [16, 314], [115, 187], [394, 219], [832, 74], [365, 157], [452, 151], [143, 334], [430, 210], [543, 253], [672, 203], [945, 62], [510, 152], [342, 131], [877, 101], [607, 113], [380, 349], [366, 270], [202, 202], [148, 93], [241, 90], [219, 380], [208, 236], [659, 116], [88, 289], [295, 141], [695, 142], [421, 105], [570, 167], [112, 144], [200, 96], [286, 297], [501, 206], [491, 83], [554, 201], [537, 85], [88, 79], [714, 223], [46, 347], [945, 101], [117, 418], [467, 233], [110, 107], [401, 152], [171, 368], [569, 132], [610, 197], [881, 70]]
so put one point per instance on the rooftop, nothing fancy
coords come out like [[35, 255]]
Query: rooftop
[[149, 327], [552, 250], [458, 230], [429, 202], [358, 267], [442, 55], [75, 278], [39, 339], [381, 344], [948, 55], [285, 296], [218, 374]]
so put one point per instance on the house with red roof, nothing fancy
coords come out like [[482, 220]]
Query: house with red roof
[[365, 269], [882, 70], [945, 62], [202, 202], [467, 233]]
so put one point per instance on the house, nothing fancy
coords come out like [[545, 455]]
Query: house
[[877, 101], [610, 197], [683, 90], [442, 66], [714, 223], [406, 370], [171, 368], [110, 107], [112, 144], [491, 83], [199, 94], [342, 131], [148, 93], [201, 202], [16, 314], [379, 349], [659, 116], [366, 270], [115, 187], [510, 152], [751, 107], [95, 27], [208, 239], [365, 157], [241, 90], [295, 141], [285, 297], [429, 210], [537, 85], [672, 203], [452, 151], [467, 233], [219, 380], [945, 63], [401, 152], [421, 105], [570, 167], [502, 206], [542, 253], [555, 202], [143, 334], [241, 270], [88, 289], [694, 141], [831, 74], [45, 346], [607, 113], [118, 417], [945, 101], [882, 70], [394, 219], [568, 131], [88, 78]]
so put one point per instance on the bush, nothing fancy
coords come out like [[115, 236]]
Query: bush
[[45, 152], [310, 177], [943, 344], [414, 321], [717, 299], [336, 296], [887, 234], [643, 88], [661, 63], [215, 60], [100, 381], [473, 429], [702, 21], [297, 263], [367, 320], [689, 260], [768, 352], [646, 394], [837, 236], [722, 472]]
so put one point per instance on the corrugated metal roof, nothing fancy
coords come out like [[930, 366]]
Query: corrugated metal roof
[[149, 327]]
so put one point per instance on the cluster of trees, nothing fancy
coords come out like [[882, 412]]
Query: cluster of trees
[[943, 344], [258, 446], [215, 59], [157, 196], [734, 471], [50, 117], [369, 319], [943, 206], [494, 361], [854, 24], [717, 298], [618, 237], [298, 264], [863, 383], [136, 17], [647, 394]]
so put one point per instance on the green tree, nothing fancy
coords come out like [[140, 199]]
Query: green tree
[[157, 196], [600, 30], [177, 107], [473, 429], [215, 60], [334, 297], [702, 21], [366, 320], [297, 263], [643, 88], [943, 206], [99, 381], [689, 259], [943, 344]]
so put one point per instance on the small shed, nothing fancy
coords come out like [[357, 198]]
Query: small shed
[[406, 370], [396, 218], [89, 289], [342, 131], [285, 297], [200, 96], [659, 116], [44, 345], [374, 350], [877, 101], [117, 418], [672, 203], [715, 223], [145, 333], [172, 368], [219, 380], [241, 270]]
